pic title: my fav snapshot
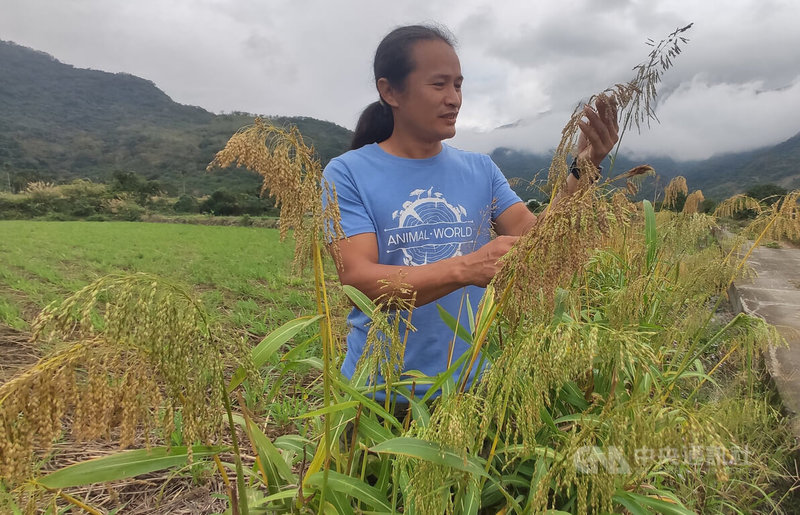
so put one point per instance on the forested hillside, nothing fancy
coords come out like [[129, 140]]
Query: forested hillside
[[719, 176], [59, 123]]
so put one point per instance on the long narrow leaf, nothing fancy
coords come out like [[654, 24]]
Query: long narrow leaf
[[443, 377], [339, 501], [650, 236], [123, 465], [451, 322], [368, 403], [268, 452], [267, 347], [361, 301], [353, 487], [333, 408], [293, 443], [469, 499], [430, 451], [663, 505]]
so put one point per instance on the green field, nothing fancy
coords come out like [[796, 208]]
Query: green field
[[243, 274]]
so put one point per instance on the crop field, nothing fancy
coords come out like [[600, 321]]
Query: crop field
[[214, 366], [243, 274]]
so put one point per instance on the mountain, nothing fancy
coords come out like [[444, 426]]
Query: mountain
[[60, 122], [719, 176]]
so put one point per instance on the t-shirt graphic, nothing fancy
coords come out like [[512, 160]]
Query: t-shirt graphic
[[429, 228]]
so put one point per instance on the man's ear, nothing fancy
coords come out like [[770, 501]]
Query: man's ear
[[387, 92]]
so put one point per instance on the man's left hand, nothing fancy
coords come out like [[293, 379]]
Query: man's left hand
[[600, 133]]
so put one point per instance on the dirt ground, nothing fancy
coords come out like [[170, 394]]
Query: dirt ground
[[16, 352], [158, 493]]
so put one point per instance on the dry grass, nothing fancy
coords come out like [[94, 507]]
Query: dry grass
[[18, 352], [737, 204], [677, 186], [693, 202], [292, 174], [123, 345]]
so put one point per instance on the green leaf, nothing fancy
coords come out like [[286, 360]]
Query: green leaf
[[368, 403], [582, 418], [561, 300], [280, 496], [454, 325], [270, 455], [294, 443], [373, 430], [571, 394], [361, 301], [333, 408], [631, 505], [351, 486], [299, 349], [668, 507], [267, 347], [419, 410], [469, 499], [430, 451], [470, 314], [650, 236], [123, 465], [445, 376], [339, 501]]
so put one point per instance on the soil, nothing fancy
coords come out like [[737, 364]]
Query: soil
[[200, 491], [17, 352]]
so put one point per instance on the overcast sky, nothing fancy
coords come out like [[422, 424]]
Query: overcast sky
[[735, 87]]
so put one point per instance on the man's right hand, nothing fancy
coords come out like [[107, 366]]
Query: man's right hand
[[484, 263]]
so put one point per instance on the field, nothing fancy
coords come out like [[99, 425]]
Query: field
[[243, 276], [241, 273], [244, 280]]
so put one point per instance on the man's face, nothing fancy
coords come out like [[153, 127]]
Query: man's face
[[428, 105]]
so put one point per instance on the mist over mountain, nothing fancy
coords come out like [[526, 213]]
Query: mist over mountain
[[718, 177], [59, 123]]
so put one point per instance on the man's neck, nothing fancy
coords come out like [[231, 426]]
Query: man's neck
[[410, 148]]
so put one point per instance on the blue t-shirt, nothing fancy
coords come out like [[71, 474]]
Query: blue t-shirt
[[421, 211]]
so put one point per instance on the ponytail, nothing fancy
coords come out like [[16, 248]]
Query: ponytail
[[374, 125], [392, 62]]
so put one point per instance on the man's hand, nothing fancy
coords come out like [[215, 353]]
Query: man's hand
[[484, 262], [600, 134]]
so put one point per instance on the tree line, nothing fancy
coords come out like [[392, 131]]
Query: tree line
[[128, 196]]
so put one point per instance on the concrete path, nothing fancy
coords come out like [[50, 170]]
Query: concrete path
[[775, 296]]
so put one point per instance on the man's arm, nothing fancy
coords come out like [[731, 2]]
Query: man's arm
[[359, 268]]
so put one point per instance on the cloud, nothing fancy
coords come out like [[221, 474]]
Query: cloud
[[525, 63], [734, 118]]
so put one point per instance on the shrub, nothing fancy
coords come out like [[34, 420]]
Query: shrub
[[186, 204], [221, 202], [766, 193], [123, 208]]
